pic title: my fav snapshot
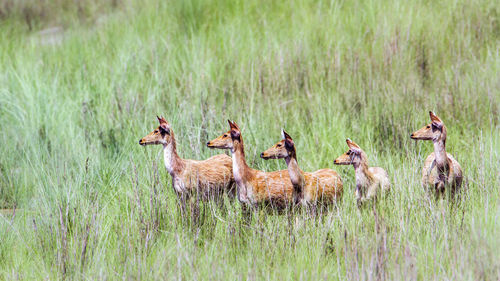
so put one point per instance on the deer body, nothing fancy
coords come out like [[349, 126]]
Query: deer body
[[440, 168], [431, 175], [323, 185], [369, 180], [255, 187], [209, 178]]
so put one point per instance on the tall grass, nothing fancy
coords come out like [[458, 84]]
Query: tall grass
[[92, 204]]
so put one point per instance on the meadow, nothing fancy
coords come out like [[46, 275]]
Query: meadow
[[81, 200]]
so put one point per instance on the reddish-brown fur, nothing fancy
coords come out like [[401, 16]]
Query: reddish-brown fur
[[254, 187], [323, 185], [440, 168], [210, 177]]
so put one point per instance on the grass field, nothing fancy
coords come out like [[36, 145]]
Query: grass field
[[92, 204]]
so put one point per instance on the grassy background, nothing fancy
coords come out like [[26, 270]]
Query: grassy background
[[92, 204]]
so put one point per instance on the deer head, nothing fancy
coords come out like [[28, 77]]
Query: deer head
[[282, 149], [161, 135], [434, 131], [225, 141], [354, 156]]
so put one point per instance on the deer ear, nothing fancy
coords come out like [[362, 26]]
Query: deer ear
[[352, 145], [435, 120], [233, 125], [164, 127], [161, 119], [285, 135], [235, 134], [356, 151], [289, 143]]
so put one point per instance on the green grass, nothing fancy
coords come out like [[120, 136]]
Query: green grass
[[71, 115]]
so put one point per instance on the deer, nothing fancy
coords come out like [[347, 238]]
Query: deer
[[323, 185], [255, 187], [440, 168], [369, 180], [210, 178]]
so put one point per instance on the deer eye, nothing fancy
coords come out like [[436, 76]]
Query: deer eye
[[428, 127], [156, 131], [278, 145], [225, 135], [349, 152]]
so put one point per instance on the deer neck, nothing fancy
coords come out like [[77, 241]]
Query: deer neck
[[364, 177], [240, 167], [441, 159], [173, 163], [295, 173]]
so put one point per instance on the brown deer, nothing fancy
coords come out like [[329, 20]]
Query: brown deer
[[254, 187], [323, 185], [211, 177], [440, 168], [369, 180]]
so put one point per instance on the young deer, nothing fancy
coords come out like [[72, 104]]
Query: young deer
[[323, 185], [210, 177], [254, 187], [440, 168], [368, 179]]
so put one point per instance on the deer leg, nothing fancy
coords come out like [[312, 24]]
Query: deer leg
[[232, 192], [313, 210], [457, 184], [439, 188], [181, 203], [219, 201], [246, 212], [359, 203]]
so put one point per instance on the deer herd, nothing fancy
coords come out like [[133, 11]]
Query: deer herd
[[221, 174]]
